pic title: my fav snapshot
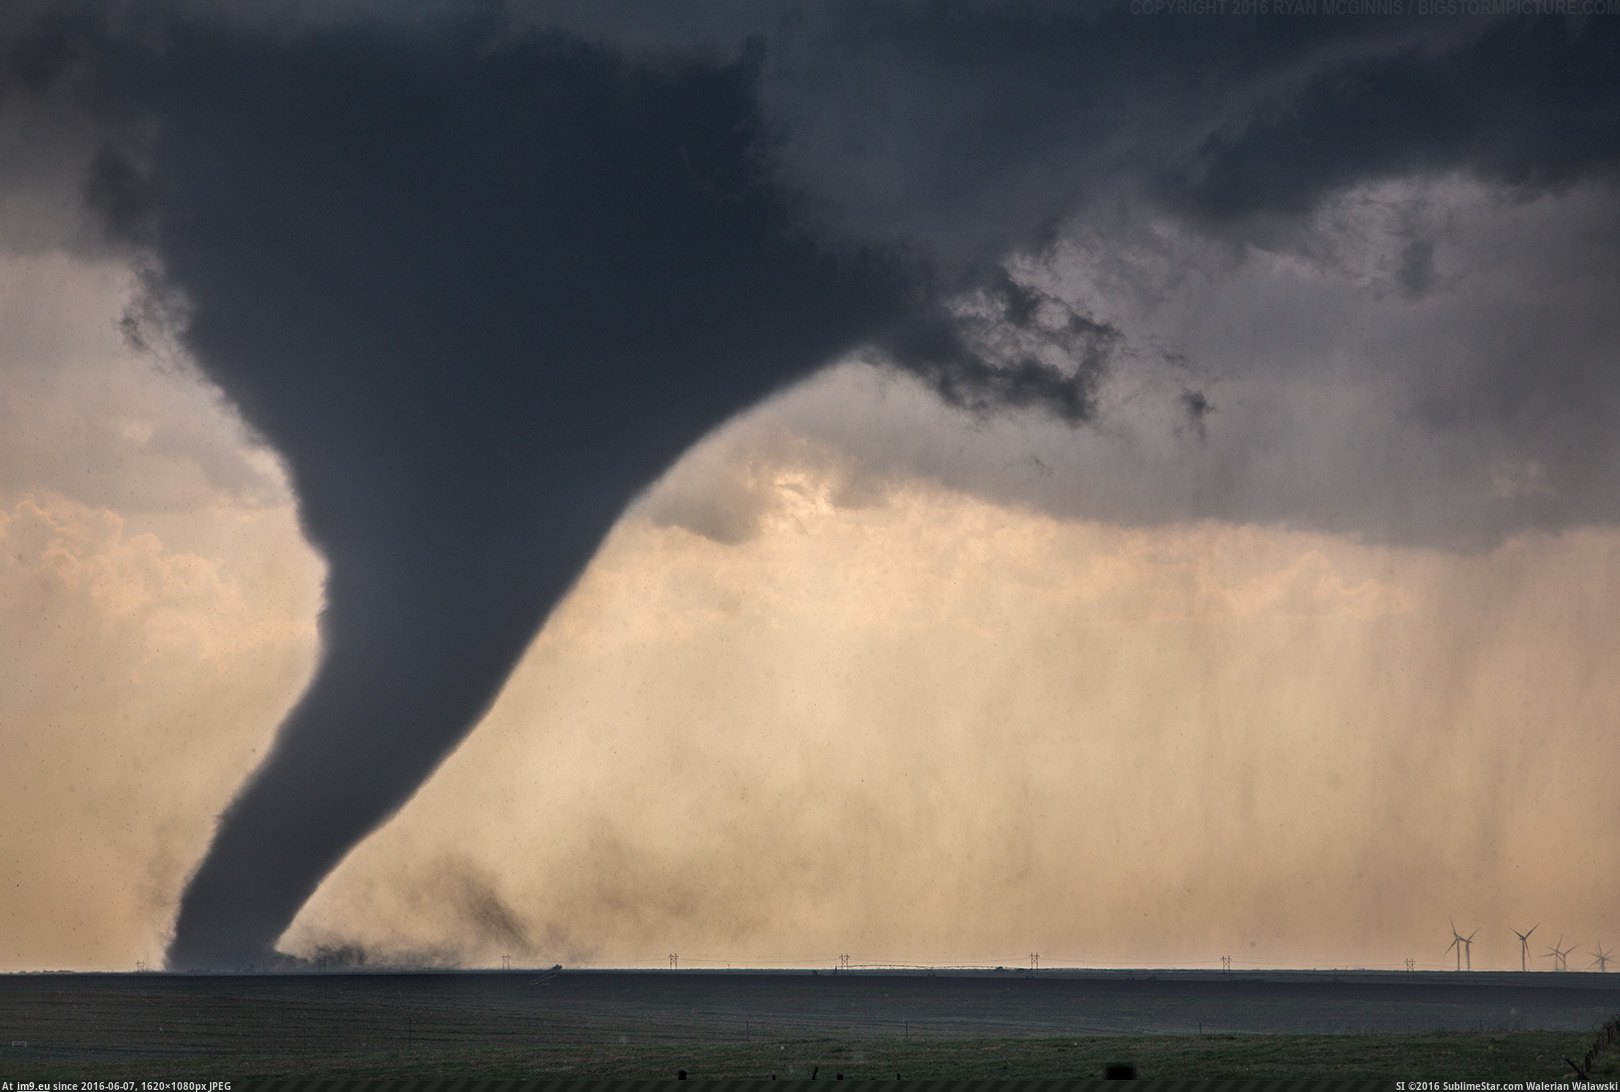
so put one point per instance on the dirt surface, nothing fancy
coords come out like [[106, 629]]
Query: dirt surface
[[615, 1022]]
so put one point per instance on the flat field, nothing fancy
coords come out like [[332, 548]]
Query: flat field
[[1416, 1027]]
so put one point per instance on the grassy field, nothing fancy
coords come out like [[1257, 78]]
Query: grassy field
[[526, 1024], [1432, 1056]]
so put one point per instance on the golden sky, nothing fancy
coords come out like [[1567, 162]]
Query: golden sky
[[796, 708]]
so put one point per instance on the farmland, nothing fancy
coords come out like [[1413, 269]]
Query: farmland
[[649, 1024]]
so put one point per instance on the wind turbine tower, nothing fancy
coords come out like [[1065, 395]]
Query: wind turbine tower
[[1560, 955], [1602, 958], [1464, 946], [1524, 945]]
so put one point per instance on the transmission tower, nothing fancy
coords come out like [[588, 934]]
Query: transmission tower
[[674, 961]]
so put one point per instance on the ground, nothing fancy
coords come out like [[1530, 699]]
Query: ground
[[1422, 1027]]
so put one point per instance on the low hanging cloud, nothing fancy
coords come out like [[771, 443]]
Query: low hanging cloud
[[1302, 386]]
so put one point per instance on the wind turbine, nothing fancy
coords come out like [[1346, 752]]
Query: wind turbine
[[1458, 942], [1560, 955], [1468, 949], [1524, 945], [1603, 958]]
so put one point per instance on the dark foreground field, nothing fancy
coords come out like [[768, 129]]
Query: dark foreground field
[[650, 1024]]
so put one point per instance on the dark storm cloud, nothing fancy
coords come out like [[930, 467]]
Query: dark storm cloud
[[1530, 103], [480, 282], [976, 125], [1006, 345], [477, 295], [1196, 407]]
